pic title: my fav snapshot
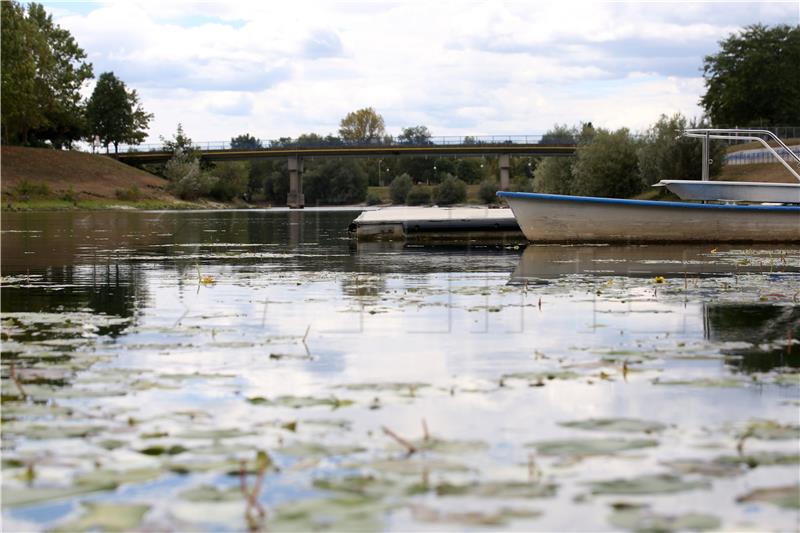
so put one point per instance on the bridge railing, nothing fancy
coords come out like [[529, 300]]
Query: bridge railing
[[388, 141]]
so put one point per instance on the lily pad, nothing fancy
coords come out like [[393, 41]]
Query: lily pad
[[622, 425], [702, 382], [647, 484], [589, 447], [29, 495], [106, 516], [500, 517], [643, 519], [497, 489], [342, 513], [209, 493], [787, 497], [298, 402]]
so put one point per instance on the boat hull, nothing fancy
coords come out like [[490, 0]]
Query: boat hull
[[549, 218]]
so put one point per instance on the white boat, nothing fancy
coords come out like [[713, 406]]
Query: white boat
[[734, 191], [550, 218]]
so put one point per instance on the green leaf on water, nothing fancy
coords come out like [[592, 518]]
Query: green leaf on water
[[647, 484], [164, 450], [299, 402], [350, 512], [728, 382], [588, 447], [787, 497], [313, 449], [497, 489], [422, 513], [622, 425], [643, 519], [106, 516], [31, 495], [770, 430]]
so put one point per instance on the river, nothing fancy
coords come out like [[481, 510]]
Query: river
[[259, 370]]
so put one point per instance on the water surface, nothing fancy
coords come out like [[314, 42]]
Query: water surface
[[260, 370]]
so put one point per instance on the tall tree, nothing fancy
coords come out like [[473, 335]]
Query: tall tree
[[416, 135], [245, 141], [754, 79], [114, 113], [43, 72], [362, 126]]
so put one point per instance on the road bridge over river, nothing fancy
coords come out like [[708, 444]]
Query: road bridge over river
[[294, 152]]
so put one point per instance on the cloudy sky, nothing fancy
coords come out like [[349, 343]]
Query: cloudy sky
[[282, 68]]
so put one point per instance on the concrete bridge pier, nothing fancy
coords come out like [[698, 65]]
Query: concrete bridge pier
[[505, 172], [295, 199]]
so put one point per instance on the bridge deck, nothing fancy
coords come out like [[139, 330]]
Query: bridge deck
[[361, 151]]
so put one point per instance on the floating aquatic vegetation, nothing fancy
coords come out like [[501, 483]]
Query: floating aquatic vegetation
[[787, 497], [500, 517], [634, 517], [646, 484], [497, 489], [299, 402], [105, 516], [590, 447], [621, 425]]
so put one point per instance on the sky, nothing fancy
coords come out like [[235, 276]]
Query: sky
[[282, 68]]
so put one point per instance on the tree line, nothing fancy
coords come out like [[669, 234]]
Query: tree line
[[43, 72]]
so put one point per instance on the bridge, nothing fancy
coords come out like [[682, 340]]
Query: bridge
[[294, 151]]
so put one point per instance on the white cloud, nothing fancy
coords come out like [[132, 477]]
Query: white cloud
[[280, 69]]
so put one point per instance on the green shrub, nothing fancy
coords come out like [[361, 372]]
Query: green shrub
[[451, 191], [70, 195], [373, 199], [607, 166], [231, 180], [131, 194], [487, 191], [31, 189], [554, 176], [276, 187], [194, 185], [335, 181], [521, 184], [399, 188], [419, 195]]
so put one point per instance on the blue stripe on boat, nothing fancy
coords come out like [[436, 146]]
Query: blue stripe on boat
[[644, 203]]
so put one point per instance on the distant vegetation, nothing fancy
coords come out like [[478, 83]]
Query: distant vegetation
[[43, 72]]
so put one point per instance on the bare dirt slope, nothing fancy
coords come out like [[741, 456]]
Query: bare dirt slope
[[90, 176]]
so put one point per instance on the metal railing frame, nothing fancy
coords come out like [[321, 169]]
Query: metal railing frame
[[734, 134]]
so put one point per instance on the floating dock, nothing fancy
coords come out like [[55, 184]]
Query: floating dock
[[436, 223]]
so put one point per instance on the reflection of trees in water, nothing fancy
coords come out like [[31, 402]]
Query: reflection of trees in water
[[115, 290], [364, 286], [759, 325]]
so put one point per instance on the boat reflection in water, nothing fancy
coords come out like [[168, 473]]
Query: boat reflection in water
[[552, 261]]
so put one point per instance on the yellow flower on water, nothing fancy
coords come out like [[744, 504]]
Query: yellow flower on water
[[207, 280], [713, 250], [659, 279]]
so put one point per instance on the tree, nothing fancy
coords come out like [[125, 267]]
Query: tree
[[245, 141], [664, 155], [399, 188], [415, 135], [754, 79], [43, 71], [335, 181], [114, 113], [451, 191], [607, 165], [180, 142], [362, 126]]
